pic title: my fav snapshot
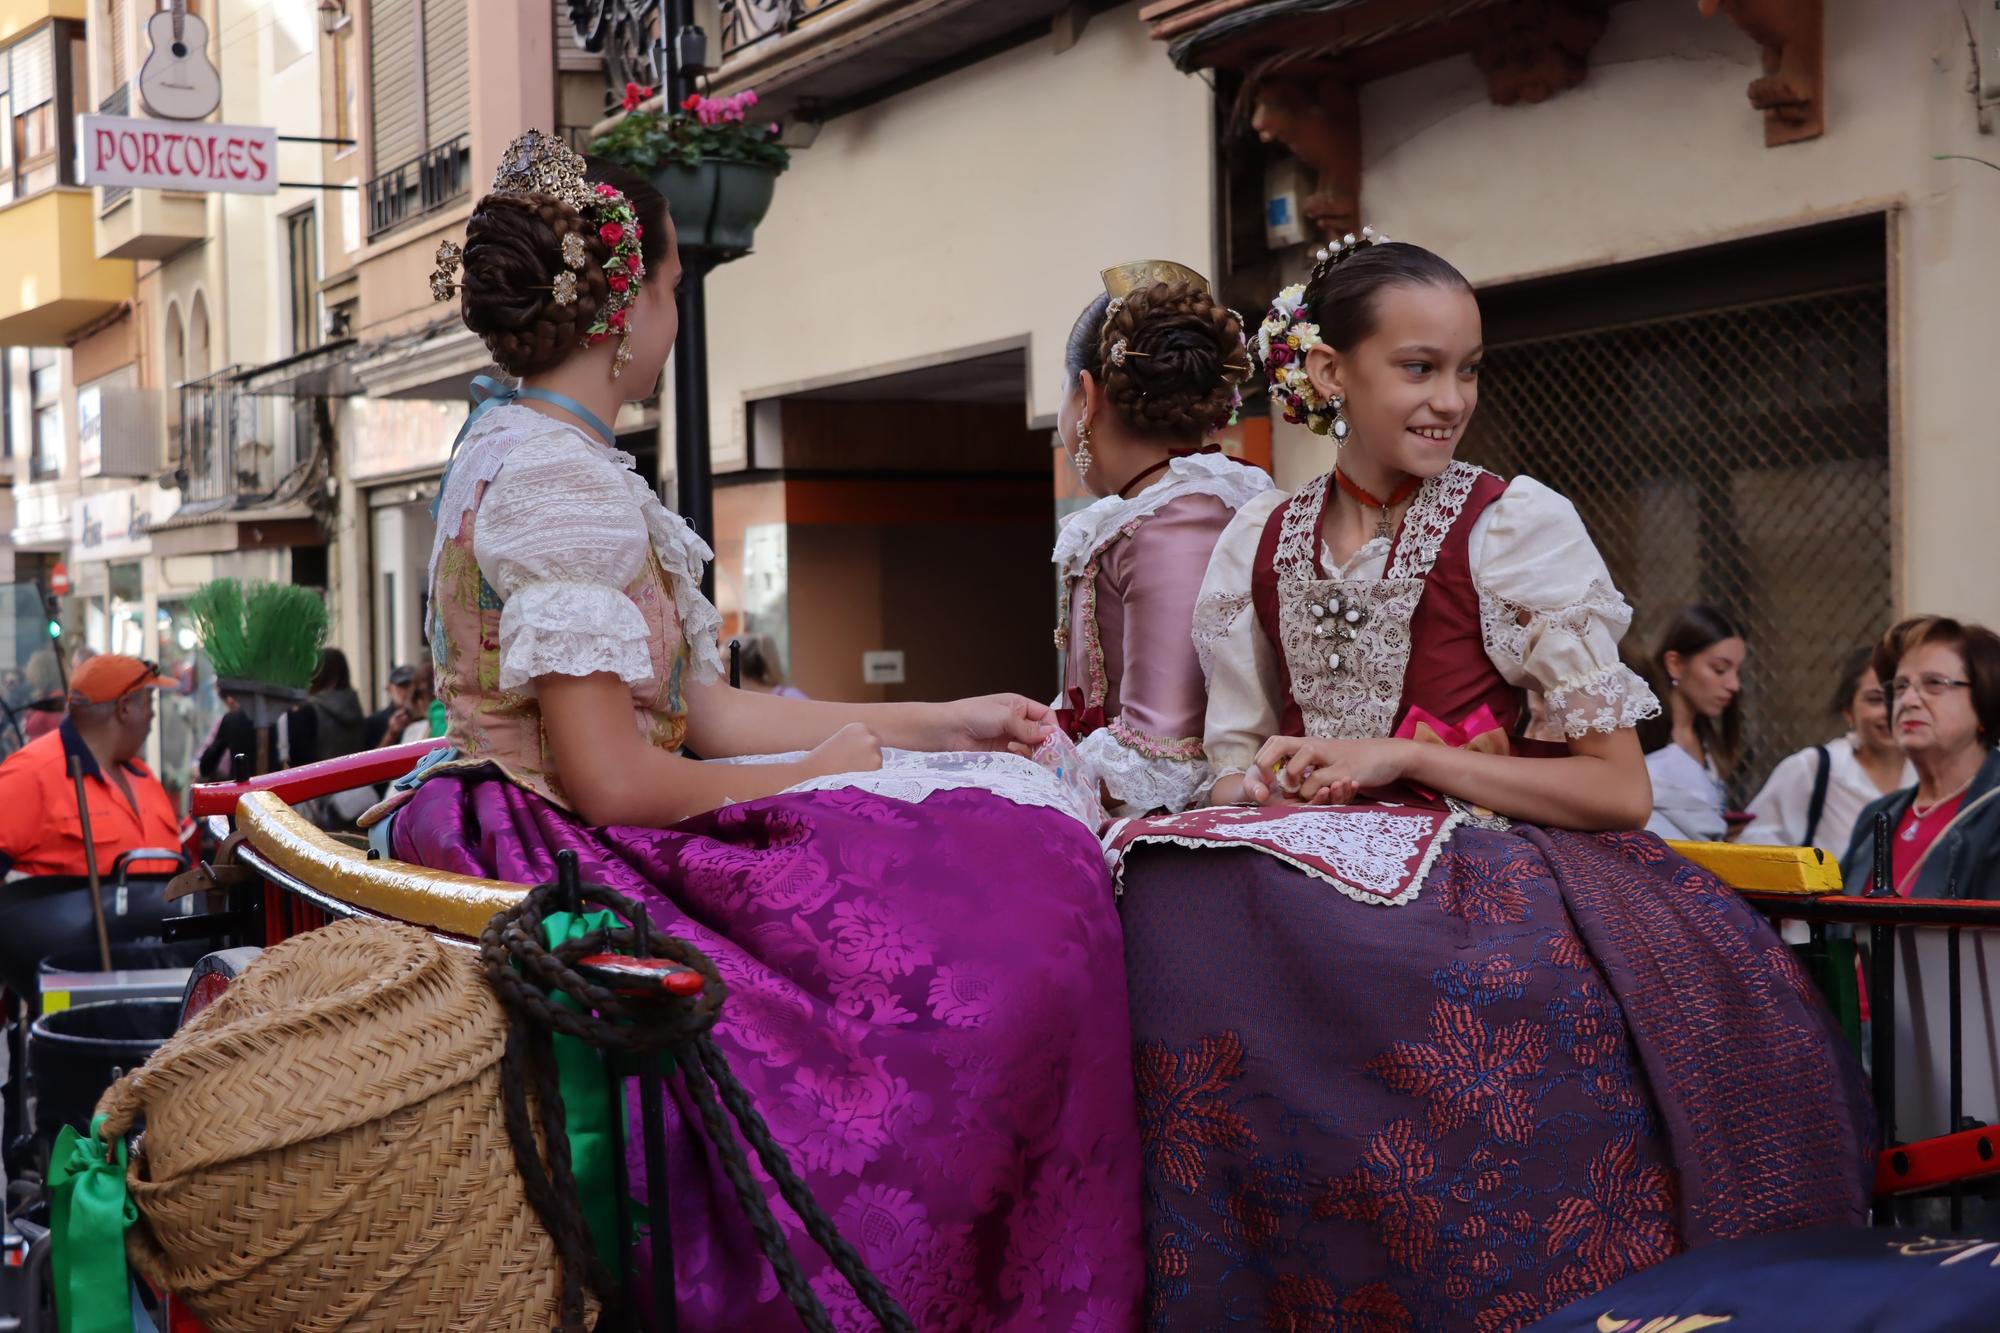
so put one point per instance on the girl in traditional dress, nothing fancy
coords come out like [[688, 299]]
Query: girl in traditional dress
[[925, 997], [1153, 367], [1414, 1052]]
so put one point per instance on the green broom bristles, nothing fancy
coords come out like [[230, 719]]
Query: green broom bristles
[[269, 632]]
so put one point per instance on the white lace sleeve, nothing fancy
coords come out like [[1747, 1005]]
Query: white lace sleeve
[[559, 538], [1144, 773], [1550, 615], [1236, 656]]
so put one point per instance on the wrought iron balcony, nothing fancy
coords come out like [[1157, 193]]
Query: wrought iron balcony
[[422, 185]]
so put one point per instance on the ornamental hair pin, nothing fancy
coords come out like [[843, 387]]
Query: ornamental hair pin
[[444, 278], [1120, 352], [574, 254], [1345, 248]]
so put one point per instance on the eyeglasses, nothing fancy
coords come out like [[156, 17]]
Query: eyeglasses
[[1933, 686]]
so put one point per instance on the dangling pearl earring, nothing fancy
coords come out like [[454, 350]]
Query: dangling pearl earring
[[1081, 459], [1340, 426]]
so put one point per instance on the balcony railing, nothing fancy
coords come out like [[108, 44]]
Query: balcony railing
[[236, 444], [118, 104], [419, 186], [748, 22]]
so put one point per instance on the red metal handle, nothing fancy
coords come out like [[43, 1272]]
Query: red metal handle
[[322, 779], [641, 976], [1929, 1163]]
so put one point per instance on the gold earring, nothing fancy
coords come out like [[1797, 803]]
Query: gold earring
[[1081, 459]]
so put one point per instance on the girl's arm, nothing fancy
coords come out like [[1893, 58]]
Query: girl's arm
[[1602, 784], [612, 776], [724, 723]]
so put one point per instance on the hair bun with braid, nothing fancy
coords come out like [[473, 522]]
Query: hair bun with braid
[[513, 250], [1170, 357]]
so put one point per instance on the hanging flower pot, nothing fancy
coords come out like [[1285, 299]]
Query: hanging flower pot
[[717, 169], [716, 205]]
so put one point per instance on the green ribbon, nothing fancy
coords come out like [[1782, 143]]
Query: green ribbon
[[89, 1212], [587, 1102]]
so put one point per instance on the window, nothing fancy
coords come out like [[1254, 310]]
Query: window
[[302, 246], [45, 393], [346, 85], [42, 81], [420, 108]]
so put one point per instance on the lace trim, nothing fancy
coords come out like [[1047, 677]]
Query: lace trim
[[1363, 847], [1213, 617], [684, 555], [1429, 521], [1143, 781], [1607, 700], [1090, 530], [1298, 531], [1510, 628], [480, 458], [572, 629], [1347, 643], [914, 776], [1183, 749]]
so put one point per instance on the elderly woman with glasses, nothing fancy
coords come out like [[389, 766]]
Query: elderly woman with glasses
[[1943, 681]]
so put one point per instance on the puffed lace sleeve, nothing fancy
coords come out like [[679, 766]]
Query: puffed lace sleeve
[[1236, 656], [1550, 615], [559, 538]]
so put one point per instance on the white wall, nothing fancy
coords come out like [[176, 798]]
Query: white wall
[[1659, 150], [973, 210]]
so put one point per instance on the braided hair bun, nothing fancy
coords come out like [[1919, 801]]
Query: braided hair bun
[[513, 251], [1170, 358]]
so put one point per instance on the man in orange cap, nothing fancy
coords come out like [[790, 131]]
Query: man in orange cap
[[110, 715]]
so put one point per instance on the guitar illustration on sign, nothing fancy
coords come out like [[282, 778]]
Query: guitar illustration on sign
[[177, 82]]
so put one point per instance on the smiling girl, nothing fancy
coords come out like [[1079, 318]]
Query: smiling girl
[[1403, 1063]]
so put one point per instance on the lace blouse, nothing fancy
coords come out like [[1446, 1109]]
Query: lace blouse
[[1549, 616]]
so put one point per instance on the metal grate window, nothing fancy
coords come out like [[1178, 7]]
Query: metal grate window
[[1739, 456]]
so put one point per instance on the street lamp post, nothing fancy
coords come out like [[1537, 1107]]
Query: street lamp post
[[681, 54]]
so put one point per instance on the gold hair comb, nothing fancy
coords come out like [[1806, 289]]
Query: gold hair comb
[[1121, 280]]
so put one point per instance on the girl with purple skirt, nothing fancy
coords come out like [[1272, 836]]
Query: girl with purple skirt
[[1424, 1039], [925, 994]]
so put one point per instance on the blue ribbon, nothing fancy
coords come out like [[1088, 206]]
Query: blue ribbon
[[489, 393]]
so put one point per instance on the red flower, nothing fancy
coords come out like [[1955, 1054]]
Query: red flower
[[620, 283], [617, 321], [607, 190], [693, 101], [1390, 1191], [638, 232], [611, 233], [1468, 1069], [1281, 354], [636, 93], [1182, 1113]]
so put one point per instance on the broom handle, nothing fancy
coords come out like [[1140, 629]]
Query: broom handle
[[90, 863]]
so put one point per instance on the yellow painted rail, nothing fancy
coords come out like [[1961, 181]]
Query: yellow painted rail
[[1801, 870], [434, 899]]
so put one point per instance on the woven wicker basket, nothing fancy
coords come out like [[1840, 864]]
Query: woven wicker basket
[[324, 1147]]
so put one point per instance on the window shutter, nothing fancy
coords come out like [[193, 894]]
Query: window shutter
[[393, 88], [447, 72], [119, 38], [34, 72]]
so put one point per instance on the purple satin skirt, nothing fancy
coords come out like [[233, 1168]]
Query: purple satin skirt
[[927, 1004]]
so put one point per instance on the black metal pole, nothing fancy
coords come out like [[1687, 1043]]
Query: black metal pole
[[694, 491]]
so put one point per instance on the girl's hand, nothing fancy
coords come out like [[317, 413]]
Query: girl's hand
[[994, 722], [1252, 788], [1322, 772], [853, 749]]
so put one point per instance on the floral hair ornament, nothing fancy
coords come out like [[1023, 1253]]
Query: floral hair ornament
[[1288, 333], [541, 164]]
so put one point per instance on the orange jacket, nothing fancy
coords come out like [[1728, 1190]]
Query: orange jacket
[[40, 830]]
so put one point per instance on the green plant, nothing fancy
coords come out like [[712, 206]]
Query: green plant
[[268, 632], [703, 129]]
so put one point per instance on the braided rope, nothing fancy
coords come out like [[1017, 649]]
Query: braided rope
[[525, 972]]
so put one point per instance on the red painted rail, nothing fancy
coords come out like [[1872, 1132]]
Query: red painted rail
[[322, 779]]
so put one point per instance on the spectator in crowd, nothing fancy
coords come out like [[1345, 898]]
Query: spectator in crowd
[[1693, 747], [762, 669], [1813, 798], [1944, 709], [376, 727], [331, 724]]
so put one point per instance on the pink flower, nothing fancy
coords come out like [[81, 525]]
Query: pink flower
[[748, 97], [620, 283], [1281, 354], [607, 190], [611, 233], [775, 129]]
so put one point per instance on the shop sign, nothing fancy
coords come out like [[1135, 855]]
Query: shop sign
[[179, 155], [112, 525]]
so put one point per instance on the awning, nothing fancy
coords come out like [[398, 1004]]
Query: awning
[[436, 363], [227, 509], [321, 372]]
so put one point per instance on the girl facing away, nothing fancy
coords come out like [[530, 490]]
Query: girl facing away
[[925, 994], [1152, 369], [1460, 1048]]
